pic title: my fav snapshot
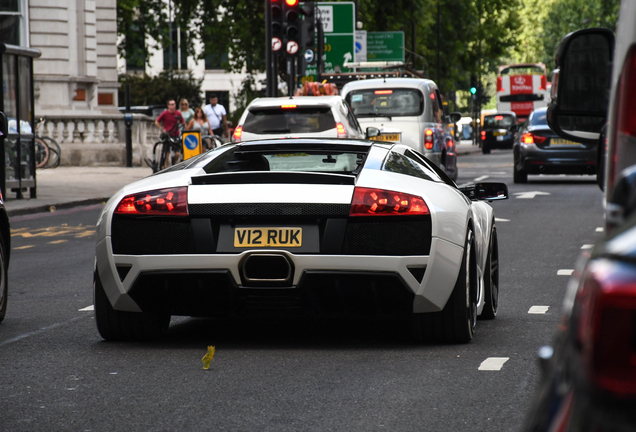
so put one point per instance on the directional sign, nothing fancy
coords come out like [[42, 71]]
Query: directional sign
[[360, 54], [292, 47], [338, 20], [277, 44], [385, 46], [309, 56], [191, 144]]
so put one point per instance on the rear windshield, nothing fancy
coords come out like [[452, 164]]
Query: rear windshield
[[539, 118], [499, 120], [523, 70], [386, 102], [280, 160], [294, 120]]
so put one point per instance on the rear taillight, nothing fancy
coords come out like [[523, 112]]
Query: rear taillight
[[483, 135], [607, 326], [428, 139], [379, 202], [162, 202], [528, 138], [624, 124], [500, 84], [342, 131], [238, 133], [544, 83]]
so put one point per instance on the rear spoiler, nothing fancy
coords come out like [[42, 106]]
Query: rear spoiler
[[278, 177]]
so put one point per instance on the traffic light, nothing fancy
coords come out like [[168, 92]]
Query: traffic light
[[473, 85], [308, 26], [276, 9], [291, 27]]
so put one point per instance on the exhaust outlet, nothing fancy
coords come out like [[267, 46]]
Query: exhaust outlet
[[263, 268]]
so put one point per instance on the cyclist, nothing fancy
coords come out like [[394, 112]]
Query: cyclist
[[168, 122]]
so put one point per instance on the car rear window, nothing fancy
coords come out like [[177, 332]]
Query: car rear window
[[539, 119], [386, 102], [499, 120], [295, 120]]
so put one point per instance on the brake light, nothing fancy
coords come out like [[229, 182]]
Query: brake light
[[341, 130], [500, 84], [528, 138], [499, 118], [607, 326], [624, 125], [379, 202], [383, 92], [483, 135], [543, 84], [428, 139], [238, 133], [162, 202], [290, 106]]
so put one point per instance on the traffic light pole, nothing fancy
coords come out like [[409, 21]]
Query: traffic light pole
[[268, 49]]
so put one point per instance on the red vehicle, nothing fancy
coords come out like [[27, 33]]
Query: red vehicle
[[522, 88]]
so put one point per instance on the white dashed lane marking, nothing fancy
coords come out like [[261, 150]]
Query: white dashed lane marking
[[493, 363], [87, 309], [565, 272], [599, 229], [484, 177], [538, 309], [501, 220], [587, 246]]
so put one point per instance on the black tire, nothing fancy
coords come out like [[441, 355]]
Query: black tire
[[519, 176], [41, 153], [456, 322], [55, 153], [4, 280], [126, 326], [491, 280], [485, 149]]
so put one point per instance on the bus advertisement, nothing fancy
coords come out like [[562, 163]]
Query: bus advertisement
[[522, 88]]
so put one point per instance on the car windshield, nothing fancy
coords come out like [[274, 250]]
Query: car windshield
[[539, 119], [523, 70], [386, 102], [237, 159], [288, 120], [499, 120]]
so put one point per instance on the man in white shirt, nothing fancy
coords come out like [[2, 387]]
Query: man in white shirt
[[216, 116]]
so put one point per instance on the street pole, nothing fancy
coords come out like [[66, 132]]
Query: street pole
[[128, 123], [268, 49]]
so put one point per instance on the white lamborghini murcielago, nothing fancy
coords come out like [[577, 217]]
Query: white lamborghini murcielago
[[320, 226]]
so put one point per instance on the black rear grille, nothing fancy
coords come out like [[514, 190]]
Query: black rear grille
[[268, 209], [392, 238], [152, 237]]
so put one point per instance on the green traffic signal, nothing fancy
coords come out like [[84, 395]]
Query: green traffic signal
[[473, 90]]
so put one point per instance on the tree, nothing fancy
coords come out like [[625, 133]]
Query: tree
[[146, 90]]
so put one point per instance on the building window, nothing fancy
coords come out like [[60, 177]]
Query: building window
[[215, 61], [10, 22], [172, 54]]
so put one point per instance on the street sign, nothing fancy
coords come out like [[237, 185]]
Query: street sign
[[338, 20], [277, 44], [309, 56], [191, 144], [292, 47], [385, 46], [360, 54]]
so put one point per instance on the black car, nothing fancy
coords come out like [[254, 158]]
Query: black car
[[498, 131], [539, 150]]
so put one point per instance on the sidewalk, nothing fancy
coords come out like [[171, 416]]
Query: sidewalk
[[66, 187]]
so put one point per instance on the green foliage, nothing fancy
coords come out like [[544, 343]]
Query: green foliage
[[147, 90]]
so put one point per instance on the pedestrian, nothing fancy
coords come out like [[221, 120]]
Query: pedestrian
[[216, 116], [168, 121], [186, 112], [200, 123]]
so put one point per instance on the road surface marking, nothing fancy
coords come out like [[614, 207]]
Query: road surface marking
[[40, 330], [530, 195], [87, 308], [587, 246], [538, 309], [24, 247], [57, 241], [599, 229], [565, 272], [501, 220], [493, 363], [484, 177]]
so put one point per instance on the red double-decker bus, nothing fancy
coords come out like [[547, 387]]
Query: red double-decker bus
[[522, 88]]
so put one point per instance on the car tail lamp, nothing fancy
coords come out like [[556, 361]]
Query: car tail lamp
[[428, 139], [528, 138], [498, 118], [500, 84], [544, 83], [342, 131], [161, 202], [483, 135], [380, 202], [238, 133], [289, 106], [606, 332], [383, 92], [624, 124]]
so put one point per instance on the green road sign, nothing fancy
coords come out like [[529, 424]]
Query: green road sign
[[385, 46], [339, 28]]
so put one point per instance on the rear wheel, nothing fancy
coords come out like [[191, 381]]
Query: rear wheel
[[127, 326], [491, 279], [519, 176], [456, 322], [41, 153]]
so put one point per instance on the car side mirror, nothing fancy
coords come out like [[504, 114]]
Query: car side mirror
[[486, 191], [455, 117], [580, 85], [372, 132]]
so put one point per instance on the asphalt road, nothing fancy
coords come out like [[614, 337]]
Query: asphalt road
[[57, 374]]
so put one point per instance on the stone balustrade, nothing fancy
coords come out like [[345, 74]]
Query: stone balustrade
[[100, 140]]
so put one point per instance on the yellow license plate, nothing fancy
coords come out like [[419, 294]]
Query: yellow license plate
[[561, 141], [497, 133], [387, 137], [268, 237]]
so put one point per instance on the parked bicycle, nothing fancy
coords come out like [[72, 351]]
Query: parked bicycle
[[47, 150], [211, 142], [166, 152]]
